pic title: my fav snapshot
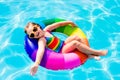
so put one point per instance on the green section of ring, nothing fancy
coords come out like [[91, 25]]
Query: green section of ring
[[68, 29]]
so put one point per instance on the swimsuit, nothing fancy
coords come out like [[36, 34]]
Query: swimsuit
[[54, 43]]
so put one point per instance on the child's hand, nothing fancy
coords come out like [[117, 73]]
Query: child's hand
[[34, 69], [72, 24]]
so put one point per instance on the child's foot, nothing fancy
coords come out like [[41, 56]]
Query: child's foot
[[94, 56], [97, 57], [104, 52], [101, 52]]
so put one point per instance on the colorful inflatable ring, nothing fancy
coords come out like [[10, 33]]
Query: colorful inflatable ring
[[58, 61]]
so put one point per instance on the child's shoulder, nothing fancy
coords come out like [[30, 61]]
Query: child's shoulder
[[42, 39]]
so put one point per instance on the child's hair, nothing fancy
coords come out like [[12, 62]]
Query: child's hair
[[30, 24]]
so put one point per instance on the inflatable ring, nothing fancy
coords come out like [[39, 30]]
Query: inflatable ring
[[58, 61]]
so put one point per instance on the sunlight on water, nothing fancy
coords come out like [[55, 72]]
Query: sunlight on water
[[99, 19]]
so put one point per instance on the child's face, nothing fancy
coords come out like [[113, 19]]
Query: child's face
[[34, 31]]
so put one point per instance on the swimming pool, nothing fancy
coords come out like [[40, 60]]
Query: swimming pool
[[99, 19]]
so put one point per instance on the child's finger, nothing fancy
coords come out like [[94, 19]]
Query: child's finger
[[31, 72]]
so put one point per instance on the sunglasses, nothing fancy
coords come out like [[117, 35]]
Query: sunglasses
[[32, 35]]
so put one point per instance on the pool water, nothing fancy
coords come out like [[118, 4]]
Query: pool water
[[99, 19]]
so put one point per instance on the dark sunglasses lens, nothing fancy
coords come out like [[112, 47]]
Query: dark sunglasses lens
[[32, 35], [34, 29]]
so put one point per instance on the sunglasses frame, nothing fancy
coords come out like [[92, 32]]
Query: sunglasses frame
[[35, 28]]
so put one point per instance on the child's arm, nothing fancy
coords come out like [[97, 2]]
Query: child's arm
[[40, 52], [41, 49], [58, 24]]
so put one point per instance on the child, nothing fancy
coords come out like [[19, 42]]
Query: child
[[34, 31]]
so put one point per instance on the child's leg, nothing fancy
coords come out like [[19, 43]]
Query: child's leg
[[71, 38], [82, 47]]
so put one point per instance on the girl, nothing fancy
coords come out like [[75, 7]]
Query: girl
[[34, 31]]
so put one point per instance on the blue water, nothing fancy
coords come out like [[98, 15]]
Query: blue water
[[99, 19]]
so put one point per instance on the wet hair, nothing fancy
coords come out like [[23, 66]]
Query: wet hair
[[32, 24]]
